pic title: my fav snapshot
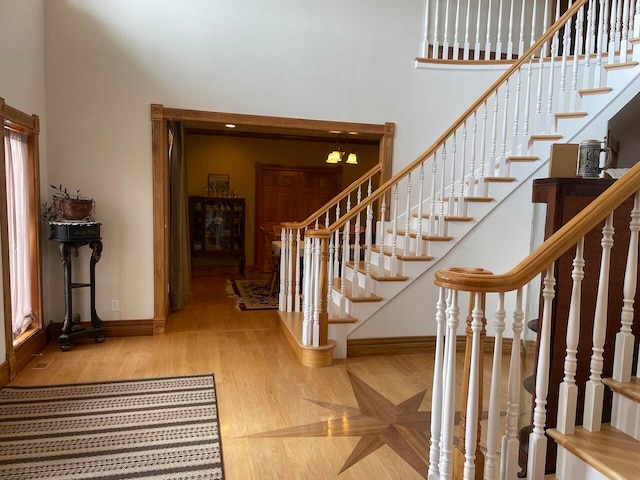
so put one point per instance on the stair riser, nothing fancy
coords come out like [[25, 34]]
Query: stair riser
[[570, 467], [625, 415]]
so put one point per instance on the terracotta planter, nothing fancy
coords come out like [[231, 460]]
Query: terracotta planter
[[74, 209]]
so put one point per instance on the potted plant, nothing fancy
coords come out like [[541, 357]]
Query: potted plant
[[68, 206]]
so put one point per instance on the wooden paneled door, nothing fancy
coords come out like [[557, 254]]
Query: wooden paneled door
[[290, 194]]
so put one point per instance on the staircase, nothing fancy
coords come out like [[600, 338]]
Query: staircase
[[354, 265]]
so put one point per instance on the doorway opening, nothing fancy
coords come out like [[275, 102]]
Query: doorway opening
[[207, 136]]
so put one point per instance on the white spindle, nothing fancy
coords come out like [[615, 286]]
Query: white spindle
[[336, 241], [283, 271], [510, 445], [465, 50], [625, 340], [452, 185], [472, 161], [577, 50], [309, 279], [609, 24], [380, 234], [618, 29], [456, 26], [298, 268], [523, 10], [495, 393], [291, 270], [482, 185], [594, 392], [462, 211], [431, 225], [537, 439], [419, 241], [624, 40], [355, 287], [597, 74], [407, 221], [566, 39], [425, 41], [487, 43], [476, 47], [510, 33], [437, 387], [550, 119], [449, 397], [568, 392], [527, 107], [368, 240], [636, 20], [516, 114], [442, 225], [394, 235], [505, 121], [445, 43], [471, 433], [499, 34], [494, 136], [533, 38], [436, 38], [343, 264]]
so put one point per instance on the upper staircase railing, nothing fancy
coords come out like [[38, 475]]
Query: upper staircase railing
[[498, 30], [505, 289], [407, 215]]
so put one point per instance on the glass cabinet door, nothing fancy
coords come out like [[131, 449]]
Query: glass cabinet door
[[217, 225]]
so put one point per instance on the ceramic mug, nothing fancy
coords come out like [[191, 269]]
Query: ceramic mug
[[589, 158]]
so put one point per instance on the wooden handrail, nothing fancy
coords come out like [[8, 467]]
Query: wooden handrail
[[478, 280], [305, 223], [474, 106]]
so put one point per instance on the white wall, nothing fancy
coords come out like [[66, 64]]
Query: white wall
[[22, 75], [108, 60]]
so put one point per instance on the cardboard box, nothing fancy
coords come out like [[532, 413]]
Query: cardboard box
[[564, 160]]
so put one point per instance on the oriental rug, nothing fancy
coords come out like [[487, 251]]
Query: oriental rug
[[160, 428], [252, 294]]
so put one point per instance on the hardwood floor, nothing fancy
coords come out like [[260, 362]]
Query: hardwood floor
[[278, 419], [261, 387]]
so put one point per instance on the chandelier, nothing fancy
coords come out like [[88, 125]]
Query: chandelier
[[339, 150]]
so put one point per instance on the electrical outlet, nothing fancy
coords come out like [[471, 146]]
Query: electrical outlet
[[115, 305]]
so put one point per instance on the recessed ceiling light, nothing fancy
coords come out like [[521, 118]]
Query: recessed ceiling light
[[352, 133], [335, 132], [230, 125]]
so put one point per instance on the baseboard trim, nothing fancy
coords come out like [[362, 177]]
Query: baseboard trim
[[4, 374], [114, 328], [366, 347]]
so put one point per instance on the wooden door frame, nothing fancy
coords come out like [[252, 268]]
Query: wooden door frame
[[160, 115]]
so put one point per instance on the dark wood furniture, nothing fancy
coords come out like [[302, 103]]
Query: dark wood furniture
[[71, 236], [217, 227], [565, 198]]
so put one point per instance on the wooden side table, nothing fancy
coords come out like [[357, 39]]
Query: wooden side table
[[71, 236]]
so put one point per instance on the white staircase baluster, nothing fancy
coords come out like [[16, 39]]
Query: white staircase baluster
[[487, 43], [577, 50], [527, 108], [472, 161], [588, 45], [442, 225], [597, 74], [609, 28], [462, 210], [445, 43], [449, 397], [625, 340], [336, 241], [495, 393], [523, 9], [471, 432], [499, 34], [437, 387], [483, 186], [332, 251], [566, 40], [282, 297], [431, 225], [505, 121], [476, 47], [368, 244], [624, 40], [355, 287], [290, 272], [394, 233], [618, 30], [381, 233], [636, 20], [436, 39], [419, 241], [516, 116], [465, 49], [343, 263], [532, 40], [452, 186], [550, 119], [316, 293], [298, 271], [456, 27], [510, 34], [568, 392], [309, 279], [425, 41], [594, 392], [537, 439], [407, 223], [510, 445], [494, 136]]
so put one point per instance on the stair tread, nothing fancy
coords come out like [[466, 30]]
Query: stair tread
[[608, 451], [594, 91], [400, 254], [447, 218], [386, 274], [615, 66], [334, 316], [570, 114], [431, 238], [499, 179], [522, 158], [337, 286], [630, 389]]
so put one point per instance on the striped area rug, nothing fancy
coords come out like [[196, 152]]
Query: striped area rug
[[160, 428]]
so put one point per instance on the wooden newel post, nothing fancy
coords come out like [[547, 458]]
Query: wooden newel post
[[459, 450], [322, 284]]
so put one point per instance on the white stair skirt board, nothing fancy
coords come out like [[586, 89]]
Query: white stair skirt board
[[570, 467], [625, 415]]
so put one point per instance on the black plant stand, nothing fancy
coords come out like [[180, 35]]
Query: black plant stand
[[71, 236]]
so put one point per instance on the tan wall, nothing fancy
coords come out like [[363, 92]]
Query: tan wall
[[237, 156]]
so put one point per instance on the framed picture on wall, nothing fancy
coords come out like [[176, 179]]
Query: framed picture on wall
[[217, 181]]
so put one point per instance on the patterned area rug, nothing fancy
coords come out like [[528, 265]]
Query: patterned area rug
[[162, 428], [252, 294]]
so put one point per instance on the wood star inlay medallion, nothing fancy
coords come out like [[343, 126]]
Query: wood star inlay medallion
[[378, 422]]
